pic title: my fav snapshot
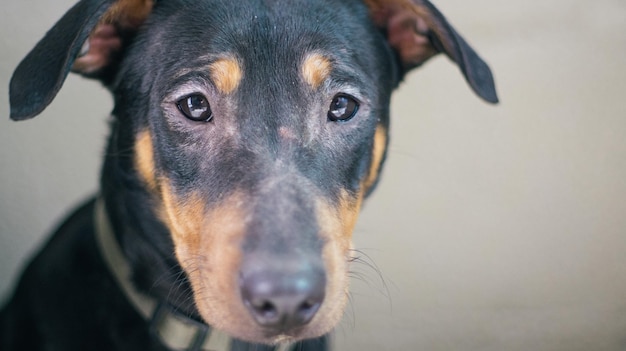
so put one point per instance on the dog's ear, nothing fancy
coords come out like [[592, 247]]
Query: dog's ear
[[418, 31], [86, 40]]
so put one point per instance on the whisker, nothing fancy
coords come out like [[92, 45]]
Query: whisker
[[359, 258]]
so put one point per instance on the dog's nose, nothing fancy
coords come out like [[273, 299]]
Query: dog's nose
[[283, 299]]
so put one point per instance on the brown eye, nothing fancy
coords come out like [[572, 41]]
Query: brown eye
[[342, 108], [195, 107]]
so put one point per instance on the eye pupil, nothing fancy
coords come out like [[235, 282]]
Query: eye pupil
[[196, 108], [342, 108]]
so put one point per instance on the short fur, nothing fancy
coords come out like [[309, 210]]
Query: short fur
[[268, 184]]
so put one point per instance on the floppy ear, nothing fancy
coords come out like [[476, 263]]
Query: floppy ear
[[418, 31], [86, 40]]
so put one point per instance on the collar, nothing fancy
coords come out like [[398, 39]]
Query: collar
[[175, 330]]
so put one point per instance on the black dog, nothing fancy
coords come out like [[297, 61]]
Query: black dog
[[245, 136]]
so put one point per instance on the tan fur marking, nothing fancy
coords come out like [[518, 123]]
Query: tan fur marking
[[208, 246], [183, 217], [128, 13], [348, 210], [337, 223], [315, 69], [213, 264], [144, 160], [380, 145], [226, 74]]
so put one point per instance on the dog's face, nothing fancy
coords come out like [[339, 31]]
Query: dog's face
[[258, 129], [260, 142]]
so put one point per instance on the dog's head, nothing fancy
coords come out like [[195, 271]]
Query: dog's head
[[258, 129]]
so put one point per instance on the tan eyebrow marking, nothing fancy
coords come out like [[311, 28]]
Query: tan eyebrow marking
[[226, 74], [315, 69]]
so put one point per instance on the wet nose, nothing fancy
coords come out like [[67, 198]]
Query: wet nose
[[283, 298]]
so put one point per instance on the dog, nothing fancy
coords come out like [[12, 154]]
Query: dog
[[245, 136]]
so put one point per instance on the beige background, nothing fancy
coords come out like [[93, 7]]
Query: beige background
[[495, 228]]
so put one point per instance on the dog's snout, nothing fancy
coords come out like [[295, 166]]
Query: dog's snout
[[283, 299]]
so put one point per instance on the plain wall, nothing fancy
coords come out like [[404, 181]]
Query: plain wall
[[494, 228]]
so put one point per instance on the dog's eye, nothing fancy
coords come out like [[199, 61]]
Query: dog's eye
[[342, 108], [195, 107]]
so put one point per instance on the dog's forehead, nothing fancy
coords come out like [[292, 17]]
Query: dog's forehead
[[261, 29]]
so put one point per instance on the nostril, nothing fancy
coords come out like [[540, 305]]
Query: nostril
[[307, 309], [265, 309], [268, 309], [306, 306]]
